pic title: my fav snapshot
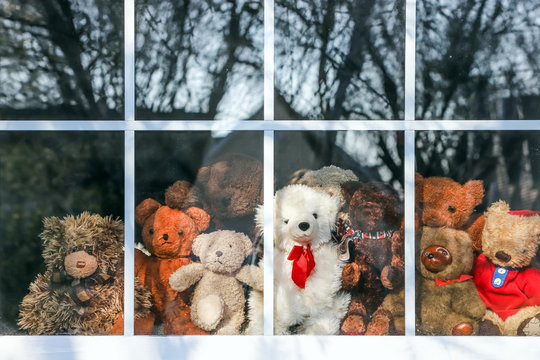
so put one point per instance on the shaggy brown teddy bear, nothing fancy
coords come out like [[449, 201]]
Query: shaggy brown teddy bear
[[448, 301], [218, 299], [447, 203], [377, 265], [230, 190], [82, 289], [168, 234], [509, 286]]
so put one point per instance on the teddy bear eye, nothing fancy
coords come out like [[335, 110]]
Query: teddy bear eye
[[315, 215], [286, 221], [89, 252], [180, 233], [151, 231], [75, 249], [230, 246], [451, 209]]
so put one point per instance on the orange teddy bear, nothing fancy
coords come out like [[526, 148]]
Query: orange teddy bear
[[168, 234]]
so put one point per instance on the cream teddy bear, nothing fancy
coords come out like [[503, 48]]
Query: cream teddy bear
[[218, 299]]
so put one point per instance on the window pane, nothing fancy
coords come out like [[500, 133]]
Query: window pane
[[197, 194], [338, 233], [477, 59], [199, 60], [467, 182], [60, 174], [61, 59], [339, 59]]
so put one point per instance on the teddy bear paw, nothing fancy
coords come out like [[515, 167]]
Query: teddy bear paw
[[207, 312], [462, 329], [488, 328], [530, 327], [350, 276], [353, 325]]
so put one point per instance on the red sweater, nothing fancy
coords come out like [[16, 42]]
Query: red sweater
[[506, 291]]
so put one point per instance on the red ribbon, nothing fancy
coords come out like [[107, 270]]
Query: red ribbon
[[461, 278], [303, 264]]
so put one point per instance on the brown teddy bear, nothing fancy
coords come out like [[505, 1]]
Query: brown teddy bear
[[230, 190], [168, 234], [509, 286], [377, 265], [218, 299], [449, 303], [82, 289], [445, 202]]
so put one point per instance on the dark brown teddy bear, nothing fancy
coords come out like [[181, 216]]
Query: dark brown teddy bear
[[230, 190], [82, 290], [377, 267]]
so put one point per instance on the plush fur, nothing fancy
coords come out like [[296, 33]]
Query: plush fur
[[230, 190], [255, 305], [218, 299], [82, 289], [377, 266], [445, 202], [319, 307], [168, 234], [454, 308], [509, 241]]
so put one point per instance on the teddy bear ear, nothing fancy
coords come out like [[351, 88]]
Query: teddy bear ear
[[200, 243], [204, 174], [201, 217], [53, 228], [145, 209], [474, 190], [499, 207], [348, 189], [181, 195], [247, 244]]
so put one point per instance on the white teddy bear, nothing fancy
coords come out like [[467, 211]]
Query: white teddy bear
[[307, 273]]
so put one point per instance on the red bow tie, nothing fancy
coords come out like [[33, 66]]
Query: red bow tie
[[303, 264], [461, 278]]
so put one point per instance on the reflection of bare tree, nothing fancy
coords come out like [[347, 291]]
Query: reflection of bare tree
[[340, 59], [199, 59], [478, 59], [61, 59], [508, 162]]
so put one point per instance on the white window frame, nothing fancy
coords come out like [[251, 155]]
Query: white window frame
[[129, 346]]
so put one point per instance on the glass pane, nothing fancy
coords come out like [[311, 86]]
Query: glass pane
[[338, 233], [61, 59], [197, 195], [46, 285], [199, 60], [469, 183], [339, 59], [477, 59]]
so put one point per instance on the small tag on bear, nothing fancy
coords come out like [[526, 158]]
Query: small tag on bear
[[499, 277]]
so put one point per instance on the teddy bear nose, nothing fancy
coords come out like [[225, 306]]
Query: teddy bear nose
[[165, 236], [303, 226], [80, 264], [219, 253], [501, 255]]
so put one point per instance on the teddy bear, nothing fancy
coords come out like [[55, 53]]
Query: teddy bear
[[448, 301], [507, 284], [168, 232], [445, 202], [255, 305], [218, 299], [230, 189], [81, 291], [376, 264], [307, 270]]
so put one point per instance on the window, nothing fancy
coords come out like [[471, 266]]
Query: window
[[139, 124]]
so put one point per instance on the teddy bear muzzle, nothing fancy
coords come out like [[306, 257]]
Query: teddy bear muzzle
[[436, 258], [80, 264]]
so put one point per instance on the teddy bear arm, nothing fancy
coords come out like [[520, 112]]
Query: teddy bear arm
[[531, 285], [186, 276], [351, 273], [252, 276]]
